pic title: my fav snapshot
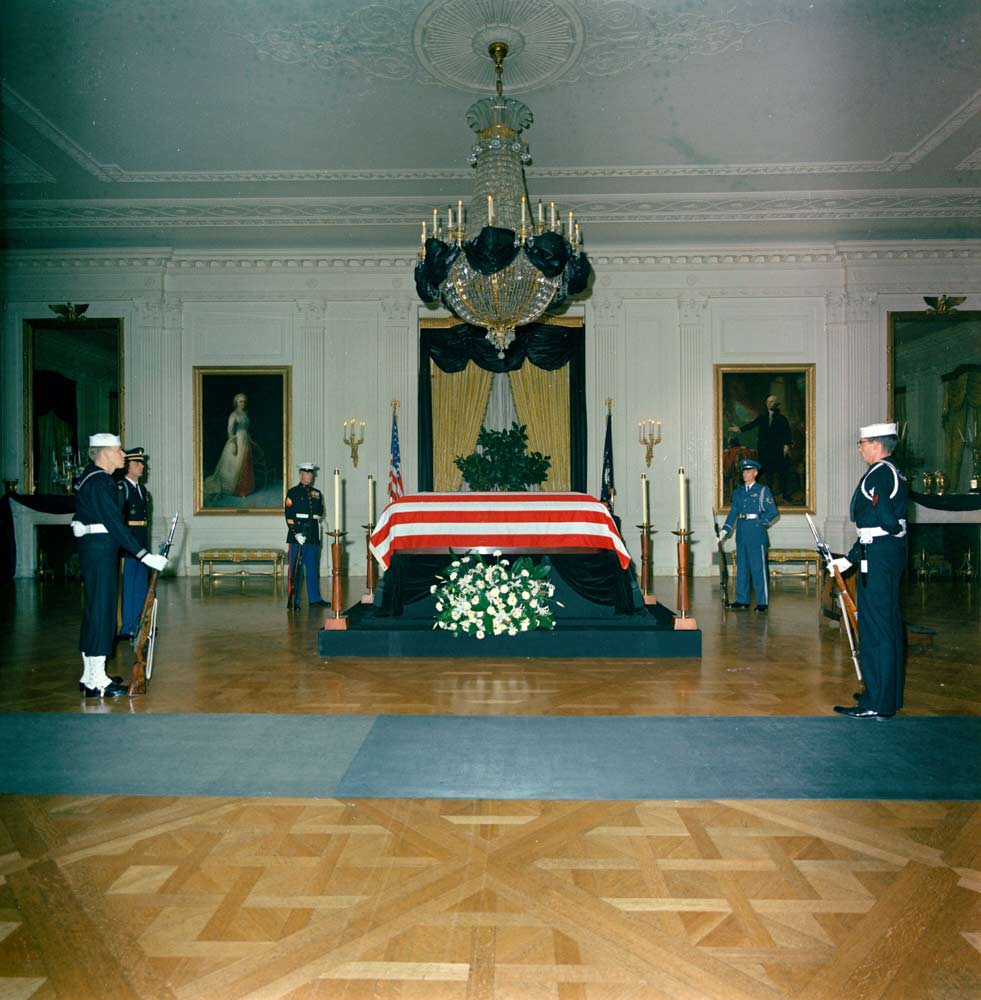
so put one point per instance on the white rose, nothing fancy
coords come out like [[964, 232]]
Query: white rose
[[480, 633], [439, 605], [525, 595]]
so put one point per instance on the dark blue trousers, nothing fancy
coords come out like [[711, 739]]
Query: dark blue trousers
[[136, 578], [881, 634], [99, 560], [309, 569]]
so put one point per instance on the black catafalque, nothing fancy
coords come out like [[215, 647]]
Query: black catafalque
[[501, 263]]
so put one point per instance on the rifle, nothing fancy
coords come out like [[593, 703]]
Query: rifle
[[294, 578], [723, 564], [849, 613], [146, 632]]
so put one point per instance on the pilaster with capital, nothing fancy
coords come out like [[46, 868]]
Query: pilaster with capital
[[604, 375], [695, 432], [310, 384], [154, 403]]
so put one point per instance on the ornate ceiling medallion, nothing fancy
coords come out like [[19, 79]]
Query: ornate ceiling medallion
[[544, 40]]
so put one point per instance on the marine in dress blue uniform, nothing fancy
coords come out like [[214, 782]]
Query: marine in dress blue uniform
[[753, 510], [101, 532], [878, 509], [304, 510], [136, 512]]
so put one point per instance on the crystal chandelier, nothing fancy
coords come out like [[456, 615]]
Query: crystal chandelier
[[505, 268]]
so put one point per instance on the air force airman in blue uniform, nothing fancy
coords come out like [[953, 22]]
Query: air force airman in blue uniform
[[304, 510], [878, 509], [753, 510], [136, 512]]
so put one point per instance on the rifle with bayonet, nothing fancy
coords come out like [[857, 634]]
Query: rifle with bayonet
[[292, 598], [849, 612], [723, 564], [145, 635]]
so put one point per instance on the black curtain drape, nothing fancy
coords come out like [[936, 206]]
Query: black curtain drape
[[542, 344]]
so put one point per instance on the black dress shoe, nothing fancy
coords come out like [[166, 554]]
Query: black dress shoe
[[854, 712], [737, 606], [124, 636], [113, 690], [82, 687], [760, 609], [320, 604]]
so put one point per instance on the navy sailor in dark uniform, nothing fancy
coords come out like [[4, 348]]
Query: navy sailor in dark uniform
[[136, 511], [101, 532], [878, 509], [753, 510], [304, 509]]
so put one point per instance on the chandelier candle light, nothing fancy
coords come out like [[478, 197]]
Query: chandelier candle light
[[354, 435], [493, 267], [648, 438]]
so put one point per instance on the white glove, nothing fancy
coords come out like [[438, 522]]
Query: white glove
[[841, 564], [722, 535], [300, 539], [865, 536], [79, 529], [159, 563]]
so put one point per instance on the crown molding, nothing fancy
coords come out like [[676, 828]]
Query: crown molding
[[787, 206]]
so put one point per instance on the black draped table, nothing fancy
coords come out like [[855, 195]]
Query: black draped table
[[55, 504]]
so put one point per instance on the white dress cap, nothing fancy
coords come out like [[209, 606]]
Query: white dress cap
[[105, 441], [877, 430], [307, 467]]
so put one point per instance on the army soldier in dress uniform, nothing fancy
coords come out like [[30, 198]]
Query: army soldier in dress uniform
[[754, 509], [878, 509], [304, 511], [136, 512], [101, 532]]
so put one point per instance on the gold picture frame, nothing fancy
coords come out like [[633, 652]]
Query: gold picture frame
[[242, 456], [744, 429]]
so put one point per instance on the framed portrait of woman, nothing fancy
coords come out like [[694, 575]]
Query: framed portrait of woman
[[241, 439], [766, 412]]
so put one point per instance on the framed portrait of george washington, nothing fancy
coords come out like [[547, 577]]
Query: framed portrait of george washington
[[766, 412], [241, 439]]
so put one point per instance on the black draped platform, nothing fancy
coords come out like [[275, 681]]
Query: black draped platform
[[602, 614]]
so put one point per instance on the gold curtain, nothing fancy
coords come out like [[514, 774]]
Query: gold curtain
[[541, 401], [459, 405], [962, 401]]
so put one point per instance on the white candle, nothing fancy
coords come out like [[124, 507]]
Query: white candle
[[338, 514], [490, 210], [459, 213], [524, 211], [371, 500], [541, 213], [449, 220], [682, 500], [640, 431], [569, 234], [551, 214], [423, 240], [644, 503], [435, 220]]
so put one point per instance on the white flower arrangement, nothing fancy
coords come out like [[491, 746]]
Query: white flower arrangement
[[479, 598]]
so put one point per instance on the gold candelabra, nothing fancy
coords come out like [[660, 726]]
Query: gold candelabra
[[650, 437], [353, 436]]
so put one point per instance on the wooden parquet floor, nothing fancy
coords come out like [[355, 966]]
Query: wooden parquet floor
[[158, 898]]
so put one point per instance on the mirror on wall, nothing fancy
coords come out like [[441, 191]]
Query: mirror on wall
[[72, 388], [935, 394]]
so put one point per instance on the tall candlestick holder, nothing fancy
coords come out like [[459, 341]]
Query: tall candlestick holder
[[335, 619], [645, 563], [684, 556], [371, 573]]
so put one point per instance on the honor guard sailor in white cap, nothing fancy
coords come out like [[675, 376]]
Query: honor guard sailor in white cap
[[878, 509], [753, 510], [136, 511], [304, 509], [101, 532]]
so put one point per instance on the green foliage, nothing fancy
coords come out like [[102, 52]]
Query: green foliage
[[502, 462]]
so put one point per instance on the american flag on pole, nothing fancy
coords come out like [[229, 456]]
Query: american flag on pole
[[395, 487]]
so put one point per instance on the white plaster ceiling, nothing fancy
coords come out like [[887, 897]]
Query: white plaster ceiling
[[331, 124]]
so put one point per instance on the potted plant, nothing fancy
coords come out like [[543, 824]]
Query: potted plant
[[502, 461]]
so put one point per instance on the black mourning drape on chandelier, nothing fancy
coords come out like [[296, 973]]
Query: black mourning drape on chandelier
[[545, 346]]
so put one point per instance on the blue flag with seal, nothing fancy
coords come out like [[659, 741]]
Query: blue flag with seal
[[608, 489]]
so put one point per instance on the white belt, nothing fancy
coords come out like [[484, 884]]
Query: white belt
[[749, 517], [316, 517], [79, 529], [867, 534]]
